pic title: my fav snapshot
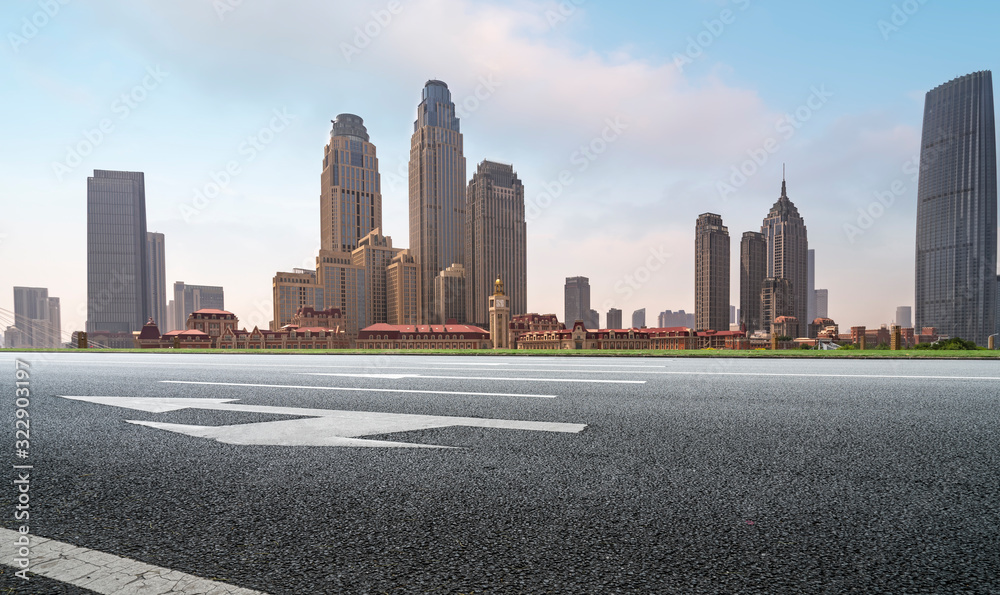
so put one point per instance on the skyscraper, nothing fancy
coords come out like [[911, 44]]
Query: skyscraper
[[293, 291], [350, 186], [639, 318], [576, 295], [118, 293], [374, 253], [36, 316], [593, 320], [437, 190], [614, 318], [157, 267], [191, 298], [402, 287], [449, 294], [711, 273], [495, 241], [753, 271], [904, 317], [776, 298], [811, 288], [788, 253], [956, 263], [822, 303]]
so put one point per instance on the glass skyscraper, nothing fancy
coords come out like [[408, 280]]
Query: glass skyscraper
[[437, 191], [956, 256], [118, 289], [784, 231]]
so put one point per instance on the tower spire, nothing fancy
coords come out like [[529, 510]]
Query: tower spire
[[784, 192]]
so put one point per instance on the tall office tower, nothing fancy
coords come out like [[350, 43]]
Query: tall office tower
[[614, 318], [118, 294], [956, 263], [402, 288], [733, 312], [170, 324], [495, 241], [777, 299], [711, 273], [157, 267], [191, 298], [753, 271], [55, 323], [350, 186], [374, 254], [811, 288], [822, 303], [449, 294], [292, 291], [31, 316], [788, 251], [343, 286], [576, 297], [593, 319], [437, 190], [639, 318], [904, 317]]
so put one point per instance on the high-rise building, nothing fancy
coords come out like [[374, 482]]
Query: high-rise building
[[753, 271], [170, 323], [822, 303], [495, 241], [293, 291], [711, 273], [576, 295], [956, 263], [350, 186], [449, 294], [614, 318], [593, 319], [639, 318], [36, 318], [788, 252], [344, 287], [402, 288], [157, 267], [118, 294], [777, 298], [55, 323], [437, 191], [904, 317], [191, 298], [374, 254], [811, 287]]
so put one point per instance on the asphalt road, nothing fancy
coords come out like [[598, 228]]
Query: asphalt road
[[691, 476]]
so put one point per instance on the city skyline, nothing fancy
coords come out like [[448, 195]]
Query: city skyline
[[499, 104]]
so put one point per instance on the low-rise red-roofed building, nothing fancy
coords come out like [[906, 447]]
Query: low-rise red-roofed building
[[434, 336]]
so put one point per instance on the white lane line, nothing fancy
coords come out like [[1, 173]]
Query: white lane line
[[105, 573], [866, 376], [446, 365], [515, 379], [369, 390]]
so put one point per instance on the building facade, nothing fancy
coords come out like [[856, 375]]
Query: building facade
[[956, 251], [495, 240], [776, 300], [811, 286], [449, 294], [499, 317], [118, 292], [532, 323], [576, 295], [374, 254], [822, 303], [614, 318], [157, 267], [191, 298], [350, 186], [292, 292], [904, 317], [437, 336], [711, 273], [788, 251], [402, 288], [753, 271], [437, 187], [639, 318]]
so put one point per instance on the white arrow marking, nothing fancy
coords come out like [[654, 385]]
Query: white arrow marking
[[509, 379], [326, 427]]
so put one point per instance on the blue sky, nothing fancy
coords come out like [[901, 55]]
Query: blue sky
[[689, 101]]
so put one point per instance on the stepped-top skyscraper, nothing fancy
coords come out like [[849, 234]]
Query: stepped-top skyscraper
[[350, 192], [437, 191], [956, 260], [711, 273], [788, 254], [118, 288], [495, 241]]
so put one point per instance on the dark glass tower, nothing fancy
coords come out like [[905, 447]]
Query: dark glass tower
[[711, 273], [788, 254], [753, 271], [118, 288], [957, 211], [437, 191]]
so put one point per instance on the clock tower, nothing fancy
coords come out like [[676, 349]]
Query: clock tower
[[499, 317]]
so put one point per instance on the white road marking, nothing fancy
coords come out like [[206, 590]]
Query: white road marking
[[516, 379], [323, 427], [446, 365], [101, 572], [866, 376], [370, 390]]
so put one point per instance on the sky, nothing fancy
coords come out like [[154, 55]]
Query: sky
[[625, 120]]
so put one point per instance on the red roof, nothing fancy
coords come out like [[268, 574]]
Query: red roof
[[149, 331], [212, 311], [191, 333]]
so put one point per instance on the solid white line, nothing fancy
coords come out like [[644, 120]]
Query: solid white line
[[403, 376], [867, 376], [370, 390], [101, 572]]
